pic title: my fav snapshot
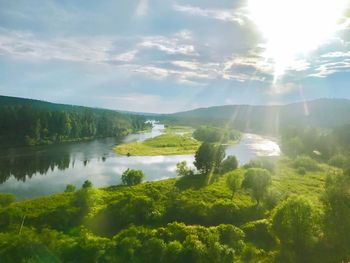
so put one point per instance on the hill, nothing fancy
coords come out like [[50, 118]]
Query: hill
[[33, 122], [322, 113]]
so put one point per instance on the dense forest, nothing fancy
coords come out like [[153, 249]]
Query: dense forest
[[33, 123]]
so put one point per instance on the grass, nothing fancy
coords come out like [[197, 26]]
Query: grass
[[165, 144], [178, 129]]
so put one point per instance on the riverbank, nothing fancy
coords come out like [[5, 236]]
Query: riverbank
[[165, 144]]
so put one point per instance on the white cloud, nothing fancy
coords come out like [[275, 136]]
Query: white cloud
[[172, 45], [142, 8], [330, 68], [219, 14], [336, 54], [127, 56]]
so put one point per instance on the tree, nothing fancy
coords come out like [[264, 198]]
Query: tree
[[295, 223], [229, 164], [209, 157], [337, 216], [87, 184], [183, 170], [233, 182], [258, 180], [132, 177], [70, 188]]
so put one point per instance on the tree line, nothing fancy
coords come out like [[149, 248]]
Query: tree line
[[27, 125]]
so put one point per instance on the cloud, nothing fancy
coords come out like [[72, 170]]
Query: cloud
[[127, 56], [225, 15], [142, 8], [330, 68], [172, 45]]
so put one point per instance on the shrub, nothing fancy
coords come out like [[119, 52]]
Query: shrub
[[70, 188], [338, 160], [263, 163], [132, 177], [229, 164], [234, 182], [258, 180], [87, 184], [183, 170], [306, 163]]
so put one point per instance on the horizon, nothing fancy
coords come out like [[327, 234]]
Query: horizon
[[187, 110], [172, 56]]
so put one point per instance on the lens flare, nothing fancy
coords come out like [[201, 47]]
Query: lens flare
[[294, 27]]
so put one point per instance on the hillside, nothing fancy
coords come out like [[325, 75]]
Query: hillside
[[324, 113], [34, 122]]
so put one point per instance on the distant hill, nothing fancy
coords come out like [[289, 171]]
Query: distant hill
[[14, 101], [323, 113]]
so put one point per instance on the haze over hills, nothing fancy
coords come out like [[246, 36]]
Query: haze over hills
[[325, 113]]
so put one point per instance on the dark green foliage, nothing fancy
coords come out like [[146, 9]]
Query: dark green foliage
[[183, 170], [215, 135], [129, 209], [234, 182], [229, 164], [337, 216], [258, 232], [296, 224], [264, 163], [132, 177], [339, 160], [70, 188], [258, 181], [87, 184], [209, 157], [30, 124], [305, 163], [6, 199]]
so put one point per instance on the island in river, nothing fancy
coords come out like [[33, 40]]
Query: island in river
[[165, 144]]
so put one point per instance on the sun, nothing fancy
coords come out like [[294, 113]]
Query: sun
[[293, 28]]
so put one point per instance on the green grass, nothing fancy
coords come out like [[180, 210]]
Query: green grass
[[178, 129], [165, 144]]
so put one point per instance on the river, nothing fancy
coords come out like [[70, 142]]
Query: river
[[30, 172]]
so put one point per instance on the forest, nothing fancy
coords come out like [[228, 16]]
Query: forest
[[33, 124]]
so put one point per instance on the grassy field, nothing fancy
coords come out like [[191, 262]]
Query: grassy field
[[178, 129], [165, 144]]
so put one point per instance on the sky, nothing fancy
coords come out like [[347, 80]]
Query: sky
[[166, 56]]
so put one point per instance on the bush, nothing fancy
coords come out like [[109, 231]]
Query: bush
[[338, 160], [258, 180], [306, 163], [183, 170], [229, 164], [70, 188], [132, 177], [234, 182], [87, 184], [263, 163], [258, 233]]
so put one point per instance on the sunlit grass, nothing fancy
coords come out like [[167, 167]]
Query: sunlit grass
[[165, 144]]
